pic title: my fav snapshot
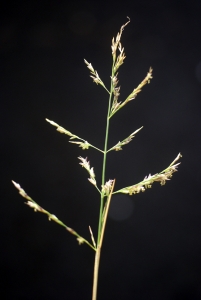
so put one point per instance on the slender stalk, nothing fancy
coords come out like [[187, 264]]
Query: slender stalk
[[104, 158], [96, 148], [98, 250], [101, 224]]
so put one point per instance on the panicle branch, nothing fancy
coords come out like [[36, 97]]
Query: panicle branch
[[95, 75], [139, 88], [82, 143], [86, 164], [31, 203], [118, 105], [127, 140], [150, 179], [92, 237]]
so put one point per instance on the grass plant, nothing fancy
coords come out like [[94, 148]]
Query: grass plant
[[106, 188]]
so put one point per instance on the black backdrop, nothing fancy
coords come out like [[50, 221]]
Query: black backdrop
[[152, 243]]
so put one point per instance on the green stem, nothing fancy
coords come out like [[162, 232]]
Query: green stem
[[104, 158], [102, 221]]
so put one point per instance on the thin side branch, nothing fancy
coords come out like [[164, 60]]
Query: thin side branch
[[161, 177], [31, 203]]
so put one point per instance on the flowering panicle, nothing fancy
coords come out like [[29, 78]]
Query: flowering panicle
[[127, 140], [150, 179], [86, 164], [107, 188]]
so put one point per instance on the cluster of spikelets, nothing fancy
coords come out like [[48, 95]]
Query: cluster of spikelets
[[37, 208], [150, 179], [117, 62]]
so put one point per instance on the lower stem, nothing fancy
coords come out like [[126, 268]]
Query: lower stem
[[96, 269], [100, 242]]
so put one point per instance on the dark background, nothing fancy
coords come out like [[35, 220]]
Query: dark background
[[152, 245]]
